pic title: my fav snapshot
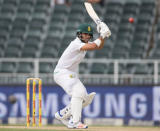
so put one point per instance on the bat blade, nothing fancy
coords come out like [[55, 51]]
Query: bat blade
[[92, 12]]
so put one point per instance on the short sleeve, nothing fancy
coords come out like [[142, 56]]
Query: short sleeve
[[77, 44], [81, 45]]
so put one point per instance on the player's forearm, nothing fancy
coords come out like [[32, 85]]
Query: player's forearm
[[102, 43], [99, 43], [89, 47]]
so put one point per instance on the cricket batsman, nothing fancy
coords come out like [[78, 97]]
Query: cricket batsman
[[66, 75]]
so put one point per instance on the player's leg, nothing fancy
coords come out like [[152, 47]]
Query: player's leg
[[79, 93], [63, 79], [67, 83], [74, 88]]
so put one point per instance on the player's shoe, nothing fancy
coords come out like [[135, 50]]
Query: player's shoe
[[59, 117], [78, 125]]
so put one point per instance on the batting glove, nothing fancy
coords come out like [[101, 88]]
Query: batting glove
[[103, 29], [100, 26], [105, 32]]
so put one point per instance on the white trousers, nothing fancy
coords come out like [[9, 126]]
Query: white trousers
[[70, 82]]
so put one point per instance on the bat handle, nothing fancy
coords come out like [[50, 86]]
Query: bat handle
[[98, 22]]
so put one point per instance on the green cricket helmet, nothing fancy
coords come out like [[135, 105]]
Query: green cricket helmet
[[84, 28]]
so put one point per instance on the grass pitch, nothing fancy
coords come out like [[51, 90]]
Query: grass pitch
[[62, 128]]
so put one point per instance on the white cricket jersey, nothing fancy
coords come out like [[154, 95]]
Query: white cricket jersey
[[72, 56]]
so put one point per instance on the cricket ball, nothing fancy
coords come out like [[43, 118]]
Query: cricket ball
[[131, 20], [12, 99]]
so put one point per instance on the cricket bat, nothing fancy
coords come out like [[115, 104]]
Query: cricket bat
[[92, 12]]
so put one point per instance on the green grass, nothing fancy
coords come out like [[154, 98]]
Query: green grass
[[62, 128], [8, 129]]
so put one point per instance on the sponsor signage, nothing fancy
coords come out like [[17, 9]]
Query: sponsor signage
[[127, 103]]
